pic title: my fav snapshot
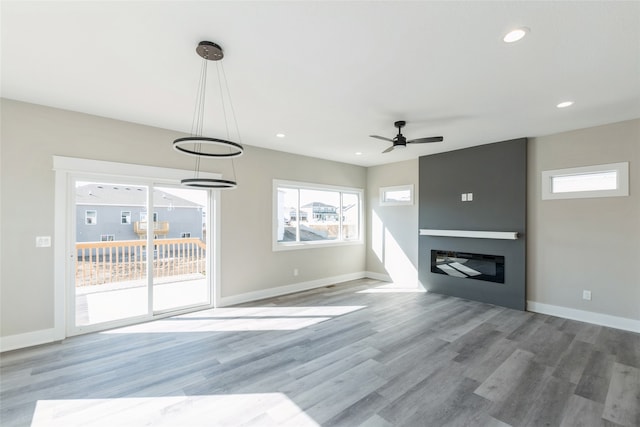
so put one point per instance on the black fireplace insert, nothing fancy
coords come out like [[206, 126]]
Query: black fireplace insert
[[464, 265]]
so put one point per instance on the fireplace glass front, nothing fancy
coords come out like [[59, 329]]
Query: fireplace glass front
[[466, 265]]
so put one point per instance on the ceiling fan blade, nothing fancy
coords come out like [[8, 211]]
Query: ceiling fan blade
[[389, 149], [423, 140], [381, 137]]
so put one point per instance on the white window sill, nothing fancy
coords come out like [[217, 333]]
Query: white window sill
[[292, 246]]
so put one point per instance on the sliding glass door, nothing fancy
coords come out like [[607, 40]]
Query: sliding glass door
[[180, 253], [140, 250]]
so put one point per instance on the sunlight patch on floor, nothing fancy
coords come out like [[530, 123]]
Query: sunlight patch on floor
[[241, 319], [193, 411]]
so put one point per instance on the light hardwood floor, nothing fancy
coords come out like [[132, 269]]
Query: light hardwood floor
[[338, 356]]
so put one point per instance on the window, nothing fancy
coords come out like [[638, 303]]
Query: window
[[608, 180], [125, 217], [143, 217], [313, 215], [107, 237], [398, 195], [185, 235], [90, 217]]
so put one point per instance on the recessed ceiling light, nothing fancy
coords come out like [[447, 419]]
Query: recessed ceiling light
[[280, 135], [565, 104], [358, 153], [515, 35]]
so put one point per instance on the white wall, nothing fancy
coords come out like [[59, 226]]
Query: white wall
[[249, 264], [585, 244], [572, 244], [32, 134], [392, 233]]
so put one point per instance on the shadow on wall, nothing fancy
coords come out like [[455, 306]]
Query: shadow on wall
[[394, 259]]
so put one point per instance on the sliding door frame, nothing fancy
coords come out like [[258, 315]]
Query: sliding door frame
[[67, 171]]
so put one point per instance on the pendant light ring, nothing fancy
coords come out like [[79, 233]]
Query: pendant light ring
[[180, 143], [220, 184]]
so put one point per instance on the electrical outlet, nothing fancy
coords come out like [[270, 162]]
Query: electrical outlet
[[43, 241], [586, 295]]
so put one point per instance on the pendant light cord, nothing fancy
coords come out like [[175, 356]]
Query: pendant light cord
[[197, 124], [233, 113]]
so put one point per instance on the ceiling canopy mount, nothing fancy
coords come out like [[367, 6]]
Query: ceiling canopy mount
[[210, 51]]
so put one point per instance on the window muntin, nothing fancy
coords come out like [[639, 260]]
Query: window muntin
[[311, 214], [107, 237], [608, 180], [396, 195]]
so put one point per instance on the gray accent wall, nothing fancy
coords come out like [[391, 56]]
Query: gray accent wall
[[496, 176]]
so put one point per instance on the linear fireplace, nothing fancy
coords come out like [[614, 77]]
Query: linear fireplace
[[465, 265]]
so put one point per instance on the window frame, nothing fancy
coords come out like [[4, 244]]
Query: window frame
[[156, 217], [285, 246], [123, 216], [94, 216], [622, 181], [384, 190]]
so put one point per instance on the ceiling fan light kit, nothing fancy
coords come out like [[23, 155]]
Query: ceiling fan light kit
[[200, 146], [400, 141]]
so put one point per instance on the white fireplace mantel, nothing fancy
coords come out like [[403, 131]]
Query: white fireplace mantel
[[505, 235]]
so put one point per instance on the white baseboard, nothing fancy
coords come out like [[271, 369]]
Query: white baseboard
[[28, 339], [290, 289], [44, 336], [378, 276], [624, 323]]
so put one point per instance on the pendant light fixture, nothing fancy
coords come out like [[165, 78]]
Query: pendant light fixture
[[200, 146]]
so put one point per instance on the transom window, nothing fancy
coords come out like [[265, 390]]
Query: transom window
[[397, 195], [609, 180], [307, 215]]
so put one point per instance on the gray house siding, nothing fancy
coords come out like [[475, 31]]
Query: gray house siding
[[108, 222]]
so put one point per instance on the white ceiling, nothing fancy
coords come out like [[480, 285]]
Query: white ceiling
[[328, 74]]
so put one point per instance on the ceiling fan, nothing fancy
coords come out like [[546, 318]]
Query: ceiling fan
[[401, 142]]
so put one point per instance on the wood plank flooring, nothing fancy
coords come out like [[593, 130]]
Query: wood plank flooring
[[337, 356]]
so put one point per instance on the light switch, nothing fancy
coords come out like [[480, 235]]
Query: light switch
[[469, 197], [464, 197], [43, 241]]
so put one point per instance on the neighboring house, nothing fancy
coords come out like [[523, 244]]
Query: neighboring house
[[320, 212], [107, 212], [293, 216]]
